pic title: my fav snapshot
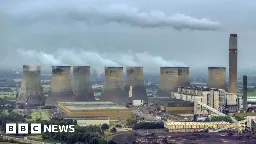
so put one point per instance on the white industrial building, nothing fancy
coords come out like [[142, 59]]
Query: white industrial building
[[215, 98]]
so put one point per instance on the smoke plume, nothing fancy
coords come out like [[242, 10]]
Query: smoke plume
[[96, 60], [68, 11]]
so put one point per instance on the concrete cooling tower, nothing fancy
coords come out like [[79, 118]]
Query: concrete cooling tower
[[113, 88], [31, 91], [169, 81], [135, 78], [61, 89], [81, 84], [183, 79], [217, 77]]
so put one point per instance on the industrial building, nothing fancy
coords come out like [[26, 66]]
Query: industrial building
[[30, 93], [113, 88], [94, 110], [215, 98], [61, 89], [135, 81], [178, 107], [172, 105], [217, 77], [232, 87], [81, 84], [191, 126]]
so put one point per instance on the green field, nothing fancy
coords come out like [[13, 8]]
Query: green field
[[41, 114], [251, 93], [8, 95]]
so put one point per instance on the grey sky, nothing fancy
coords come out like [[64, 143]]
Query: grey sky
[[109, 32]]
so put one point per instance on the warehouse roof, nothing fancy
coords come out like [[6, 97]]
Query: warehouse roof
[[90, 105]]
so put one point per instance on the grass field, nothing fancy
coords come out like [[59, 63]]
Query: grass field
[[41, 114], [8, 95], [36, 137], [251, 93]]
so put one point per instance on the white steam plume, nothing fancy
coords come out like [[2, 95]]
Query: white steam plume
[[68, 11], [95, 60]]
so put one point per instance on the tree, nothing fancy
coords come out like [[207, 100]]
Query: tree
[[111, 142], [94, 140], [221, 118], [113, 130], [239, 118], [104, 126], [131, 121]]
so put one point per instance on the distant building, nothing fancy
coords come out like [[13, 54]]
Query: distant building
[[94, 110], [172, 105], [215, 98], [191, 126]]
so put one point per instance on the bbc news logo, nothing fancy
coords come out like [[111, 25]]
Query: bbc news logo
[[36, 128]]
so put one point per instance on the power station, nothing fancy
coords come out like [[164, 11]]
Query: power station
[[232, 87], [169, 81], [113, 88], [61, 89], [217, 77], [31, 92], [135, 78], [81, 84]]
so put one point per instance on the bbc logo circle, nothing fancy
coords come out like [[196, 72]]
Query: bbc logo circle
[[23, 128]]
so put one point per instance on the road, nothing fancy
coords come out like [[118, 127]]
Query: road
[[144, 115]]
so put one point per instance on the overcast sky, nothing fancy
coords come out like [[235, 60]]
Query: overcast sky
[[151, 33]]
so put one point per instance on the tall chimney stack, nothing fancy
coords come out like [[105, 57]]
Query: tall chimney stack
[[245, 92], [232, 87]]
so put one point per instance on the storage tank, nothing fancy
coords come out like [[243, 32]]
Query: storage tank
[[60, 90], [113, 88], [169, 77], [81, 84], [135, 78], [217, 77], [31, 91]]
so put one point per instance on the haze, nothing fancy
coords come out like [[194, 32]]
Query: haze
[[126, 32]]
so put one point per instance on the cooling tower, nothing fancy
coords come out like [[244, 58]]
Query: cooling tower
[[183, 79], [217, 77], [81, 83], [232, 87], [135, 78], [31, 92], [60, 86], [113, 88], [169, 78]]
